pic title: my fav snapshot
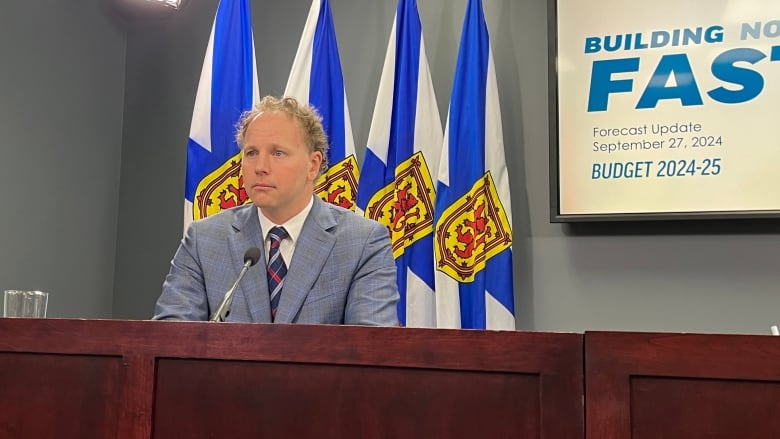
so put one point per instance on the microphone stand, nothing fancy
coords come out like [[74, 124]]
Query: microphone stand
[[224, 306]]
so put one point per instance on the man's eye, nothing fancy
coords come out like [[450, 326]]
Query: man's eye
[[278, 153]]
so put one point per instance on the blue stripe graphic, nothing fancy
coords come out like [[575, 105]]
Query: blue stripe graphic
[[407, 62], [418, 256], [372, 179], [326, 85], [467, 143], [232, 71], [467, 110], [402, 124], [498, 282]]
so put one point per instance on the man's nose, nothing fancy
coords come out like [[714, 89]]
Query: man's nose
[[262, 164]]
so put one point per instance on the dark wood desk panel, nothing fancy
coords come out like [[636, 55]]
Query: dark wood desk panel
[[59, 396], [336, 381], [654, 385], [103, 368], [277, 399], [359, 381]]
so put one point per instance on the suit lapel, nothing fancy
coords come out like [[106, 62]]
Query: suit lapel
[[311, 251], [254, 286]]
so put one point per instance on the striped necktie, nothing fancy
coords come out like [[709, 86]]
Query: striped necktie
[[277, 269]]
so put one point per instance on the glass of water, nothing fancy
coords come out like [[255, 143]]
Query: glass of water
[[20, 303]]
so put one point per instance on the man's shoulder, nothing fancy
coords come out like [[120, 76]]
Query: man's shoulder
[[226, 217], [349, 219]]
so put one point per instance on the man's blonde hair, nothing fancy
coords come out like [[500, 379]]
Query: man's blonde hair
[[307, 116]]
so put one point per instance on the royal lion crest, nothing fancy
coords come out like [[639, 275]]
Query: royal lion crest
[[405, 206], [471, 231], [221, 189], [338, 185]]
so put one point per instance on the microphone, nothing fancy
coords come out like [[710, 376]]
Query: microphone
[[250, 258]]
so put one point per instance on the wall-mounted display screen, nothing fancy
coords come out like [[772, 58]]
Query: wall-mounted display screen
[[667, 109]]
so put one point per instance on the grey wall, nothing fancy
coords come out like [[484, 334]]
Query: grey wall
[[62, 67], [694, 276]]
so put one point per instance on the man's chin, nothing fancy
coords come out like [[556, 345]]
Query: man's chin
[[260, 201]]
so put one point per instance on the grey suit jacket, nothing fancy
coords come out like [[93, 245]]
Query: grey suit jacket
[[342, 271]]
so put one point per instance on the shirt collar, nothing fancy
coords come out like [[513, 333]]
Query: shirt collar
[[293, 225]]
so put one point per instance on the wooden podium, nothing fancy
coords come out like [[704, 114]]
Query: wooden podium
[[682, 386], [140, 379]]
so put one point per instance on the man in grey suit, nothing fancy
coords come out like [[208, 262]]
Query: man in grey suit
[[339, 266]]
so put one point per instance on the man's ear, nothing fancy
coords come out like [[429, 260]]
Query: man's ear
[[315, 161]]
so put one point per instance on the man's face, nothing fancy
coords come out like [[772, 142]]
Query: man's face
[[279, 171]]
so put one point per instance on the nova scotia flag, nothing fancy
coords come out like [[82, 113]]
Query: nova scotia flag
[[473, 216], [404, 145], [316, 78], [227, 88]]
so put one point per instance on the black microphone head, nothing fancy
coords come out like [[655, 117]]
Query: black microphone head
[[252, 255]]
